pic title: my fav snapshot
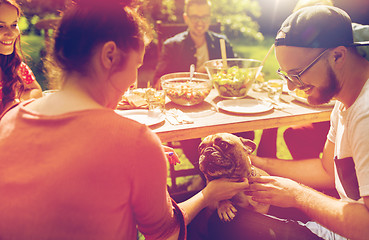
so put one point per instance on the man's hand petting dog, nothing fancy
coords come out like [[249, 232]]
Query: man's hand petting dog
[[225, 155]]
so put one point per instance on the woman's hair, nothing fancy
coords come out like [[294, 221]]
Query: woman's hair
[[12, 85], [91, 23]]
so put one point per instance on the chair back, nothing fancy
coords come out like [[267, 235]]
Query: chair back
[[167, 30]]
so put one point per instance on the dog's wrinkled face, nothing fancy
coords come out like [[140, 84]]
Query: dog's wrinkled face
[[225, 155]]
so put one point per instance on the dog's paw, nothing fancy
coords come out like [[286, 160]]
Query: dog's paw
[[226, 210]]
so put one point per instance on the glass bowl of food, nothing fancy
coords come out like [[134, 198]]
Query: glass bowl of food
[[184, 90], [233, 77]]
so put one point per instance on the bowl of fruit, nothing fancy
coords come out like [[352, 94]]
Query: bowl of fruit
[[186, 90], [233, 77]]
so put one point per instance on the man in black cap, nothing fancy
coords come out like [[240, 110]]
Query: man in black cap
[[316, 53]]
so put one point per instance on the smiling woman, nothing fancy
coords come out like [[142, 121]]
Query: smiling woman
[[8, 29], [17, 81]]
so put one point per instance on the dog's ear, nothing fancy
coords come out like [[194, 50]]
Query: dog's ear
[[200, 147], [250, 145]]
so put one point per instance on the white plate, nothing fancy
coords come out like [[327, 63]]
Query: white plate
[[143, 116], [244, 106], [304, 100]]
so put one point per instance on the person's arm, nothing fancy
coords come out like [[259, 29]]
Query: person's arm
[[150, 201], [316, 173], [349, 219], [31, 87], [214, 191]]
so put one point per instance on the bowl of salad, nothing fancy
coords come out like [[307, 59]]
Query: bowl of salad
[[184, 90], [233, 77]]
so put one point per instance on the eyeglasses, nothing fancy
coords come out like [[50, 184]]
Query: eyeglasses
[[296, 78], [196, 18]]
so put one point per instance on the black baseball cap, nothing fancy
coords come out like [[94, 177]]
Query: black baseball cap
[[317, 27]]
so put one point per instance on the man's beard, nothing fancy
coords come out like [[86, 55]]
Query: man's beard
[[326, 93]]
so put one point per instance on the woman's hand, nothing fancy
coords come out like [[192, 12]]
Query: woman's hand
[[215, 191], [276, 191], [224, 188], [171, 155]]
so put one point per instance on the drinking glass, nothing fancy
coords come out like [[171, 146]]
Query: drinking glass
[[275, 88], [155, 99]]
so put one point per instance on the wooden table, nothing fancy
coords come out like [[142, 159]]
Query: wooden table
[[208, 119]]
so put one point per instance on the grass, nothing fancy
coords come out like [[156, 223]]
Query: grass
[[258, 52]]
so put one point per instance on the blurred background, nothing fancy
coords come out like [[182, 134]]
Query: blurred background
[[249, 24]]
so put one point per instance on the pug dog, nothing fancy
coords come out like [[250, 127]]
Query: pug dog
[[224, 155]]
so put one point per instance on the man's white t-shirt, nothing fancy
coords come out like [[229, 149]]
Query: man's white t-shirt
[[350, 133]]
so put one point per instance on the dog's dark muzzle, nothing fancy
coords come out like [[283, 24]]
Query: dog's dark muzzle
[[215, 163]]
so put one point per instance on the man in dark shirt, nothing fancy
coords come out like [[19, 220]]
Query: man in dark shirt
[[194, 46]]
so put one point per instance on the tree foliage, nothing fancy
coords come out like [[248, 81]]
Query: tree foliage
[[41, 7], [33, 10], [238, 17]]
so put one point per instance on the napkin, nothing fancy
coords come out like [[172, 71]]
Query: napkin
[[132, 101], [176, 117]]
